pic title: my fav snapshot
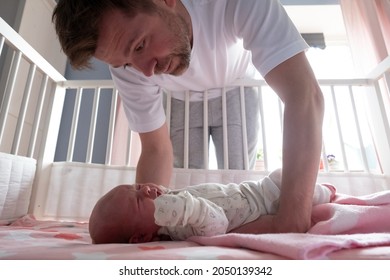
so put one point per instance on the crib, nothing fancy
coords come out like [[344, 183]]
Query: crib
[[45, 203]]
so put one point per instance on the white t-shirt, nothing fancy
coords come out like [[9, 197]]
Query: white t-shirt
[[230, 37]]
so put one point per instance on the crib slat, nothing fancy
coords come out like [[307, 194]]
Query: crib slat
[[359, 132], [111, 125], [186, 128], [128, 148], [339, 129], [2, 40], [205, 130], [263, 132], [23, 110], [168, 110], [92, 126], [225, 131], [324, 158], [75, 120], [243, 128], [9, 91], [37, 116], [280, 107]]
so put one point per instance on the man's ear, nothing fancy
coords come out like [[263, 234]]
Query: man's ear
[[171, 3], [168, 3], [135, 239]]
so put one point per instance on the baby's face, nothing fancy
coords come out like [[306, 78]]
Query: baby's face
[[140, 214], [126, 214]]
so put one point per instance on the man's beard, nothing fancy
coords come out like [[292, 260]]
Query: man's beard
[[184, 63], [182, 43], [181, 59]]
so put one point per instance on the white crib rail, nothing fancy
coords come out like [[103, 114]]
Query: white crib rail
[[333, 89]]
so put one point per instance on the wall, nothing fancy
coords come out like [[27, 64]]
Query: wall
[[11, 12], [32, 20], [37, 29]]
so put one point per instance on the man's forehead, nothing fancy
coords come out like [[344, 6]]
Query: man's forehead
[[116, 34]]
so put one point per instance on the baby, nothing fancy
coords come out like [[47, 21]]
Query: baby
[[148, 212]]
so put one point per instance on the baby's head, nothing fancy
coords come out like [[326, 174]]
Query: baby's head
[[125, 215]]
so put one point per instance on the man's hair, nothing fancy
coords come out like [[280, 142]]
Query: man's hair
[[77, 24]]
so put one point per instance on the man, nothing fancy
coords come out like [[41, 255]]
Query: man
[[201, 45]]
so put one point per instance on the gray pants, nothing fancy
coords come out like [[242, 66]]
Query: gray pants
[[215, 130]]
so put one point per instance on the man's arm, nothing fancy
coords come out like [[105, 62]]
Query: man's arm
[[156, 160], [295, 83]]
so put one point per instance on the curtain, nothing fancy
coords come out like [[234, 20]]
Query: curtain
[[367, 23]]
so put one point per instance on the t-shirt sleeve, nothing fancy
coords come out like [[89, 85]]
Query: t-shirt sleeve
[[142, 101], [184, 215], [266, 30]]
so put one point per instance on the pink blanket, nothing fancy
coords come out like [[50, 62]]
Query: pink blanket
[[347, 222]]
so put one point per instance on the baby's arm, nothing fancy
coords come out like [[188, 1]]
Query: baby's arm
[[185, 215]]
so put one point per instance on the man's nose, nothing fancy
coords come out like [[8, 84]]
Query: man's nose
[[146, 66]]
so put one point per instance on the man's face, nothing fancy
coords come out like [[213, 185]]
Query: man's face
[[152, 44]]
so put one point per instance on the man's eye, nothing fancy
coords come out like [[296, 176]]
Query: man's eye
[[140, 47]]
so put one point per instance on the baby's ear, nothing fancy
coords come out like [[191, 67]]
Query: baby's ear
[[141, 238], [135, 239]]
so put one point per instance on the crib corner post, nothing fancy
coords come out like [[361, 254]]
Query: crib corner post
[[47, 150]]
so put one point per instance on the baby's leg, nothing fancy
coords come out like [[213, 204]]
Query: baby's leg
[[323, 193], [276, 177]]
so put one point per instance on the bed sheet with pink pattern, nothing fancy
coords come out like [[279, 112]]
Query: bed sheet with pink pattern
[[28, 238]]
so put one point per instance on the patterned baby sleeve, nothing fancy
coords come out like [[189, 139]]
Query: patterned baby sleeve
[[169, 210], [190, 215]]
